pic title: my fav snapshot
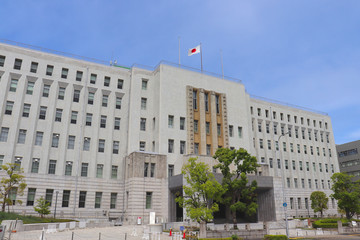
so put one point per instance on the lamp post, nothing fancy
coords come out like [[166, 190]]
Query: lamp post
[[57, 192], [283, 189]]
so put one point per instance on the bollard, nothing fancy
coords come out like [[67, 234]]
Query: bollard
[[72, 236], [99, 236], [125, 236]]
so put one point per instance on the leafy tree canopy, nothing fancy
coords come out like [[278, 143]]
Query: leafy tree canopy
[[319, 202], [42, 207]]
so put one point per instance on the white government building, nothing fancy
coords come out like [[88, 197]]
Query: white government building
[[110, 141]]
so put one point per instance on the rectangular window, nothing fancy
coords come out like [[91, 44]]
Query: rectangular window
[[196, 148], [79, 76], [316, 184], [288, 182], [293, 165], [231, 130], [52, 167], [58, 115], [9, 107], [103, 121], [148, 200], [286, 164], [73, 119], [142, 145], [196, 126], [275, 129], [106, 81], [303, 183], [144, 84], [182, 147], [300, 165], [91, 97], [42, 113], [170, 121], [142, 124], [12, 195], [271, 162], [307, 166], [170, 170], [35, 165], [17, 64], [98, 196], [13, 85], [76, 96], [82, 199], [182, 123], [120, 84], [2, 60], [22, 136], [284, 146], [240, 132], [88, 119], [66, 198], [206, 98], [55, 140], [217, 103], [146, 169], [84, 169], [218, 127], [86, 146], [61, 93], [295, 183], [30, 88], [17, 163], [49, 70], [31, 197], [105, 99], [101, 147], [309, 183], [1, 161], [93, 78], [118, 102], [208, 149], [71, 142], [207, 127], [279, 164], [26, 110], [64, 73], [116, 145], [259, 126], [194, 99], [261, 144], [49, 195], [306, 203], [113, 198], [39, 138], [117, 124], [114, 172], [143, 103], [99, 170], [68, 168], [152, 170], [46, 90], [299, 203]]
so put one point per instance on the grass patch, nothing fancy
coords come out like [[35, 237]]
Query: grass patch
[[30, 219]]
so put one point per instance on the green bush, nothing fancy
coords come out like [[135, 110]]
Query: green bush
[[275, 237], [215, 238], [329, 223], [29, 219]]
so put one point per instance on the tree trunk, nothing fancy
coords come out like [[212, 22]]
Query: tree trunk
[[202, 233], [234, 219], [3, 206]]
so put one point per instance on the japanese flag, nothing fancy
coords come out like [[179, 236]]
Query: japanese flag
[[194, 50]]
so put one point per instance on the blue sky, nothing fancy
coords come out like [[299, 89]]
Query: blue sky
[[304, 52]]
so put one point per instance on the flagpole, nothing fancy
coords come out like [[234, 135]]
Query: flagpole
[[179, 50], [201, 58], [222, 65]]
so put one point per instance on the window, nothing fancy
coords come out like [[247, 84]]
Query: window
[[31, 197], [326, 167], [76, 95], [259, 126], [55, 140], [196, 126], [306, 203], [9, 107], [307, 166], [99, 170], [182, 123], [120, 84], [170, 145], [231, 130], [309, 134], [142, 145], [196, 148], [17, 163], [101, 147], [207, 124], [105, 99], [286, 164], [208, 149], [49, 70], [1, 161], [182, 147], [88, 119], [291, 147], [261, 144], [113, 198], [73, 117], [311, 150], [117, 124], [13, 85], [49, 195], [39, 138], [26, 110], [68, 168], [300, 165], [35, 165], [66, 198], [86, 146], [58, 115], [170, 170], [118, 102], [267, 128], [52, 167], [79, 75], [170, 121], [30, 88], [98, 196], [142, 124], [277, 145], [93, 78], [148, 200], [116, 145], [114, 172], [22, 136], [293, 165], [82, 199], [206, 102], [91, 98], [64, 73], [84, 169], [218, 129], [71, 142], [217, 103], [271, 162], [275, 129], [103, 121], [2, 60], [144, 84], [320, 167], [152, 170], [146, 169], [106, 81], [279, 164], [240, 132], [46, 90], [284, 146], [259, 112], [288, 182], [42, 114], [61, 93], [281, 116], [303, 183], [298, 148], [194, 99], [314, 167], [17, 64], [295, 183], [316, 184], [143, 103]]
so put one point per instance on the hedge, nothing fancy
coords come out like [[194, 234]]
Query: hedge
[[239, 238], [329, 223], [275, 237]]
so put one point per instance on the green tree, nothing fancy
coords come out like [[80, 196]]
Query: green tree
[[42, 207], [200, 190], [13, 182], [240, 194], [347, 193], [319, 202]]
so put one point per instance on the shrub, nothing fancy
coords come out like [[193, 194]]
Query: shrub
[[329, 223], [275, 237], [234, 237]]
